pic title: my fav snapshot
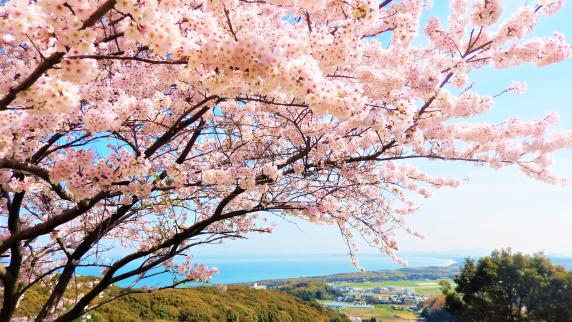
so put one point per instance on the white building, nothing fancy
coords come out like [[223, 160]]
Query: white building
[[258, 287]]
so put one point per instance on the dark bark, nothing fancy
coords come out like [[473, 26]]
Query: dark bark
[[172, 243], [12, 275], [93, 237], [53, 59]]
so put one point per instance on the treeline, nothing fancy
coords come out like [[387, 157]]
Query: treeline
[[409, 273], [308, 290], [204, 304], [505, 287]]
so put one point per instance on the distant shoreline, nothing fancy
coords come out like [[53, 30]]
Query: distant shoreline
[[249, 269], [408, 273]]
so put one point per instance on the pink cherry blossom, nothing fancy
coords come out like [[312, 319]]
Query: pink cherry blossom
[[161, 126]]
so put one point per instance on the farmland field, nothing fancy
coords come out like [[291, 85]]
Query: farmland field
[[382, 312], [422, 287]]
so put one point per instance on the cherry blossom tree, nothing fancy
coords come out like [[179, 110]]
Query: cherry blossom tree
[[157, 126]]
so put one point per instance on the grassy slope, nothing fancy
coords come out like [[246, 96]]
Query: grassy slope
[[204, 304]]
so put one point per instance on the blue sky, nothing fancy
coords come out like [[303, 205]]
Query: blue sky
[[496, 208]]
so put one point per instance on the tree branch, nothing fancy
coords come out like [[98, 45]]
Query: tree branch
[[46, 64], [50, 224], [53, 59], [144, 60]]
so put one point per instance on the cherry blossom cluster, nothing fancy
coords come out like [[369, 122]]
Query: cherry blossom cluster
[[161, 126]]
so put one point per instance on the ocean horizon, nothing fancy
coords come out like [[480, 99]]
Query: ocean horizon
[[236, 269]]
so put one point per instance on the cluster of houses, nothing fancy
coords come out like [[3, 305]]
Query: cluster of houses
[[379, 295]]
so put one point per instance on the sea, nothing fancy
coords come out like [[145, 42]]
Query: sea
[[250, 268], [253, 268]]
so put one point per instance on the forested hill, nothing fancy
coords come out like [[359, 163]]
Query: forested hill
[[205, 304], [407, 273]]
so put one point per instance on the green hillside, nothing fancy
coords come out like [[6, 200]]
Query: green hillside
[[204, 304]]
